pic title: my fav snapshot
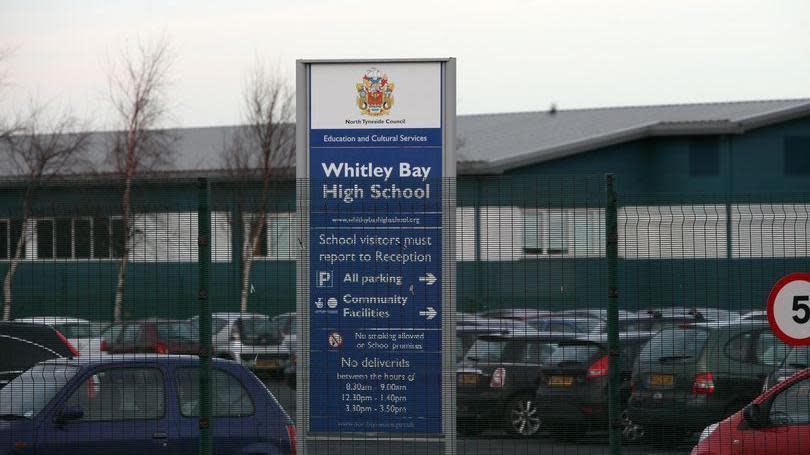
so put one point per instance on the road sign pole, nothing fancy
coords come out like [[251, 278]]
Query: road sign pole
[[612, 255], [204, 313]]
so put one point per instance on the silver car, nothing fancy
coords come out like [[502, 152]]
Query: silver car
[[254, 340]]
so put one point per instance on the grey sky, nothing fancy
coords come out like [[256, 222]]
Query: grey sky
[[513, 55]]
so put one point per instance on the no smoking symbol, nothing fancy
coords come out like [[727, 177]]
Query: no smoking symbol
[[789, 309], [335, 340]]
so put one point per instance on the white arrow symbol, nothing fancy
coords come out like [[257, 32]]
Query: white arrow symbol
[[428, 279], [429, 313]]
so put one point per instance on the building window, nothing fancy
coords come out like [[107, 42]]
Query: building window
[[276, 241], [82, 238], [4, 243], [101, 238], [545, 232], [118, 236], [44, 239], [704, 156], [797, 155]]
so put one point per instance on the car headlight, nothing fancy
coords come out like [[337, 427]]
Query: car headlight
[[708, 431]]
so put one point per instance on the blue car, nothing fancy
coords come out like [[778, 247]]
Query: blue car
[[138, 405]]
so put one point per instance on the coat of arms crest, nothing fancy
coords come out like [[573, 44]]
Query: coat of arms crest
[[375, 93]]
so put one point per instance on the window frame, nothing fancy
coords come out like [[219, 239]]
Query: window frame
[[772, 401], [544, 231]]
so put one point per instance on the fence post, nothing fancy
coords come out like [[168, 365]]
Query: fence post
[[204, 313], [612, 255]]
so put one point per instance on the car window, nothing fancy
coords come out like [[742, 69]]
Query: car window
[[121, 393], [792, 406], [799, 357], [182, 332], [536, 353], [770, 350], [27, 394], [257, 331], [486, 350], [572, 353], [111, 334], [675, 344], [217, 324], [230, 399], [739, 347], [80, 330], [131, 334]]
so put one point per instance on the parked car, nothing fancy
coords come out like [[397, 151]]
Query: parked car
[[109, 335], [797, 359], [686, 378], [518, 314], [573, 389], [703, 313], [159, 336], [777, 422], [83, 334], [254, 340], [757, 315], [554, 323], [598, 313], [497, 380], [136, 405], [23, 344], [652, 322]]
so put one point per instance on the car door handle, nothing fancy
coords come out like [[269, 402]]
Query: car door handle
[[160, 435]]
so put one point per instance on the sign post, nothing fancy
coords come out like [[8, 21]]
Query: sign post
[[376, 302], [789, 309]]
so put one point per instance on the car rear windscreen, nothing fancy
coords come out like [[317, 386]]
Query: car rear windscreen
[[78, 330], [486, 350], [573, 354], [681, 344]]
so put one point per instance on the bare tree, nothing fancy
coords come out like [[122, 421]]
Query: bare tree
[[37, 152], [256, 153], [137, 93]]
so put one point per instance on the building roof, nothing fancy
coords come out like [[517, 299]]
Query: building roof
[[494, 143]]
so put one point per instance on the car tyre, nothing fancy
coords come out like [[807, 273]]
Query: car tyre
[[523, 417]]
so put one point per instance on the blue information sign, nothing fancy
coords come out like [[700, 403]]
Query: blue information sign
[[375, 251]]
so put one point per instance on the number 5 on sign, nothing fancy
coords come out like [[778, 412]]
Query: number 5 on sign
[[789, 309]]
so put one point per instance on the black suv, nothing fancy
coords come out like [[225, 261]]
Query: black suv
[[497, 381], [24, 344], [689, 377], [572, 395]]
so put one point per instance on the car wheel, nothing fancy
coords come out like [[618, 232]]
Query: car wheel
[[523, 417], [631, 432]]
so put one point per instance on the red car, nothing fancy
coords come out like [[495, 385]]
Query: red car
[[775, 423], [155, 336]]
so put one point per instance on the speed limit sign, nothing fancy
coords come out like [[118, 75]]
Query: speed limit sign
[[789, 309]]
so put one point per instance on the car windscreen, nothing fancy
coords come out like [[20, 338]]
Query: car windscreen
[[181, 332], [572, 353], [486, 350], [799, 357], [77, 330], [678, 344], [31, 391], [256, 331]]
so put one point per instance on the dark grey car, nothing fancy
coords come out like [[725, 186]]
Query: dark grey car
[[689, 377]]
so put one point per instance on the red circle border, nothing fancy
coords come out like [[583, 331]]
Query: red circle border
[[784, 281]]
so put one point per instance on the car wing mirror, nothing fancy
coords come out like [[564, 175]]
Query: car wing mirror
[[754, 415], [70, 413]]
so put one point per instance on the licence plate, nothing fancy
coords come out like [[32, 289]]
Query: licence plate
[[467, 379], [662, 379], [274, 363], [560, 381]]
